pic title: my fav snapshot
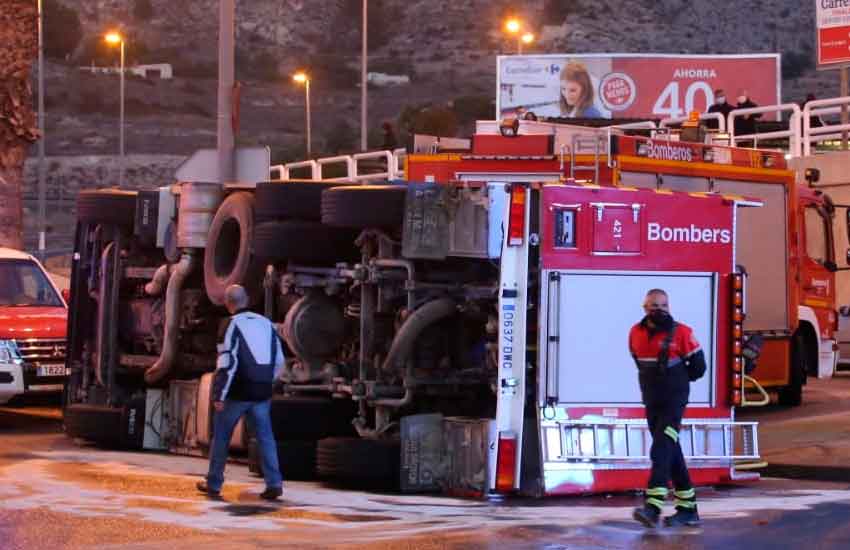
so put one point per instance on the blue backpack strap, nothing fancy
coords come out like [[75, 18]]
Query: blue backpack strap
[[273, 353]]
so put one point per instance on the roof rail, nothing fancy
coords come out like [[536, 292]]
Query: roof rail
[[721, 122], [818, 108], [354, 165], [792, 133]]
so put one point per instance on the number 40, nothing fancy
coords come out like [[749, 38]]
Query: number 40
[[669, 100]]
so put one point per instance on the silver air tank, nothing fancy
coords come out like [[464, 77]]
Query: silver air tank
[[198, 203]]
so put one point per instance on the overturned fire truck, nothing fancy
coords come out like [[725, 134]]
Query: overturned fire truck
[[464, 329]]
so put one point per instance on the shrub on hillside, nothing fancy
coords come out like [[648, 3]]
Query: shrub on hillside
[[95, 50], [62, 29], [429, 120], [556, 11], [256, 66], [472, 108], [142, 10], [794, 63]]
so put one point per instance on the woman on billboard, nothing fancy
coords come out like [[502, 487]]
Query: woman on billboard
[[577, 93]]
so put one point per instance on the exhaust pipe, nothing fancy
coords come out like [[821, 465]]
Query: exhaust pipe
[[413, 326], [180, 272], [399, 353], [157, 283]]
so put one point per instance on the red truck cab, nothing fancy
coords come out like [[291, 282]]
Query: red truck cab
[[33, 325]]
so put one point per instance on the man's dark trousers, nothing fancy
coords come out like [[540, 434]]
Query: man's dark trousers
[[665, 395]]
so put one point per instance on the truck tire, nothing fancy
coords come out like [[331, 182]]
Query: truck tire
[[228, 259], [364, 206], [302, 200], [311, 418], [112, 206], [792, 394], [297, 459], [367, 463], [304, 242]]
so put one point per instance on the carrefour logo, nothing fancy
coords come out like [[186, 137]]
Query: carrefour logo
[[692, 234]]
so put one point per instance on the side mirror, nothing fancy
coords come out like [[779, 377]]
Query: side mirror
[[847, 257], [66, 292]]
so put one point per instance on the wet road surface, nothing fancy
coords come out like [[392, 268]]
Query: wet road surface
[[55, 494]]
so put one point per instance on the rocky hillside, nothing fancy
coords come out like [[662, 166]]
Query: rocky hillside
[[447, 47]]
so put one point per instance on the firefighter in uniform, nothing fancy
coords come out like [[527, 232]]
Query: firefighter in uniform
[[250, 359], [668, 357]]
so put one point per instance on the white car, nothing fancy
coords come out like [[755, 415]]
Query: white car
[[11, 374]]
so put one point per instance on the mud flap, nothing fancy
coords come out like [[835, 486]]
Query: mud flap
[[470, 449], [426, 222], [422, 465]]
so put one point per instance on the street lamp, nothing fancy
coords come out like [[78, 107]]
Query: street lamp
[[116, 38], [302, 78], [513, 26]]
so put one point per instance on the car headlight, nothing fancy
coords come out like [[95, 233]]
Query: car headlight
[[9, 352]]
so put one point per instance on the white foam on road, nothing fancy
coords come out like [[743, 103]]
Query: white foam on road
[[33, 484]]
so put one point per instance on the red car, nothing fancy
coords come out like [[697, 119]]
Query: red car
[[33, 325]]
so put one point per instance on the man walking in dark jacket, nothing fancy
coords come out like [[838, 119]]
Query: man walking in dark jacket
[[250, 358], [668, 358]]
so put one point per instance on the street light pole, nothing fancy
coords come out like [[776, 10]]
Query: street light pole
[[117, 38], [309, 140], [302, 78], [121, 132], [42, 168], [363, 83]]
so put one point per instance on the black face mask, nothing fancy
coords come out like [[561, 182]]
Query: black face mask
[[661, 319]]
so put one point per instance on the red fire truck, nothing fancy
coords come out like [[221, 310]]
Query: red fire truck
[[466, 332], [787, 246]]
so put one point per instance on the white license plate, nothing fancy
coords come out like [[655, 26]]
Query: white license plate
[[51, 370]]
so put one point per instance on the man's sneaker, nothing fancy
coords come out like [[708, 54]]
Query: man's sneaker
[[271, 493], [205, 489], [647, 515], [683, 518]]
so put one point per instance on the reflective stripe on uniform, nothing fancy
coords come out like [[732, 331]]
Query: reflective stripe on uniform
[[671, 432], [658, 503], [687, 494], [657, 492], [689, 504]]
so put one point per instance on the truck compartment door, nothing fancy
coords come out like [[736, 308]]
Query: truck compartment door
[[588, 315]]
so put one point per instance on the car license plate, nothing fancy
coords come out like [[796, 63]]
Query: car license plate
[[51, 370]]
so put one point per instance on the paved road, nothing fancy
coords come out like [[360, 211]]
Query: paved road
[[57, 495]]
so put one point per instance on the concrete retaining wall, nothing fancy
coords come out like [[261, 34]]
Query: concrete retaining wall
[[67, 175]]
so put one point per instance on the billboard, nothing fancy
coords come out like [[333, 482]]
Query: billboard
[[833, 29], [631, 85]]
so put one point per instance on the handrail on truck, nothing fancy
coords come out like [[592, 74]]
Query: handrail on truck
[[353, 163], [792, 133], [828, 131], [721, 122]]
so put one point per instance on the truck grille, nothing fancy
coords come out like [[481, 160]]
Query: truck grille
[[42, 350]]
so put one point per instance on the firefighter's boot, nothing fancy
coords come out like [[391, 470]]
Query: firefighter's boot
[[647, 515], [650, 512], [686, 510]]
